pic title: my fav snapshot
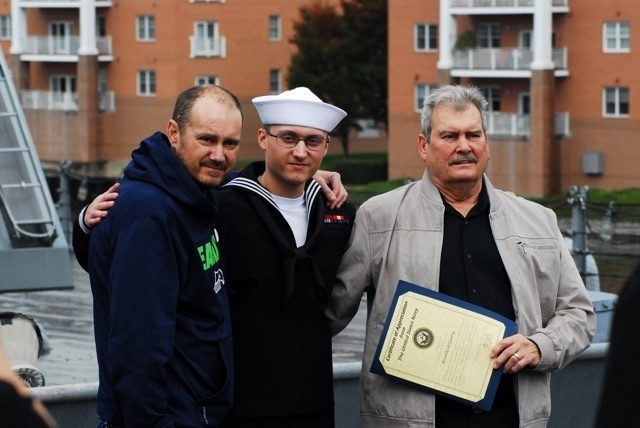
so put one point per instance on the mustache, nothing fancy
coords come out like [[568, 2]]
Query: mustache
[[465, 157], [214, 164]]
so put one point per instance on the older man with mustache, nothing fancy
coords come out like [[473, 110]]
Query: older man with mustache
[[453, 232]]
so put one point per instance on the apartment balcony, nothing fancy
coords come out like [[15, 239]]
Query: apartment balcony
[[61, 101], [61, 49], [519, 125], [502, 7], [201, 47], [503, 62], [60, 3]]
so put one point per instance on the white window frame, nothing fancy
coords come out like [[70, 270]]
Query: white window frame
[[5, 27], [145, 28], [275, 28], [524, 104], [207, 38], [101, 26], [620, 94], [63, 91], [275, 81], [425, 37], [525, 40], [420, 92], [207, 80], [619, 33], [492, 38], [61, 32], [102, 80], [493, 95], [62, 83], [146, 83]]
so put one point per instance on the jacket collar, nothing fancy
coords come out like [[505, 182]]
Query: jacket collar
[[432, 194]]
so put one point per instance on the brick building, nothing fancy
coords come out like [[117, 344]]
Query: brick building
[[560, 76], [97, 76]]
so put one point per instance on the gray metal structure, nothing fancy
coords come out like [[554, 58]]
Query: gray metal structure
[[34, 253]]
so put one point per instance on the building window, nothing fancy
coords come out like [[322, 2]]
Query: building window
[[63, 91], [146, 83], [425, 37], [616, 37], [206, 38], [524, 103], [207, 80], [615, 102], [145, 28], [275, 28], [61, 33], [102, 80], [275, 81], [488, 35], [492, 94], [101, 26], [5, 27], [420, 92]]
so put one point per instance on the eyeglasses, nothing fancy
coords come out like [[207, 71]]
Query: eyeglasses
[[290, 140]]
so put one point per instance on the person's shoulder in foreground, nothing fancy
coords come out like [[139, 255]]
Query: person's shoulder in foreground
[[17, 407], [618, 395]]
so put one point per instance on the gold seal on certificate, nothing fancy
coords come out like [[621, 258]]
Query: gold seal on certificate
[[442, 344]]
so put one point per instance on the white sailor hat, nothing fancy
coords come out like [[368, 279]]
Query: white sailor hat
[[299, 107]]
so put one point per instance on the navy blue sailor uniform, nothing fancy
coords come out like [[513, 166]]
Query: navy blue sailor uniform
[[282, 340]]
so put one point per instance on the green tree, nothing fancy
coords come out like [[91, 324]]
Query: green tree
[[342, 57]]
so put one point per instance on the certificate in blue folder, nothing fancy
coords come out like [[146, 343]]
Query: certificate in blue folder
[[441, 344]]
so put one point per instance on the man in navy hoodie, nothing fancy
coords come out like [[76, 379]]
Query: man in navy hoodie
[[161, 314]]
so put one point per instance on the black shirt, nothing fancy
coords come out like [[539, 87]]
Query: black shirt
[[471, 269]]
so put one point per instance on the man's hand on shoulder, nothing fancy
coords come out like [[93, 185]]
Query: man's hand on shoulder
[[100, 206], [332, 187]]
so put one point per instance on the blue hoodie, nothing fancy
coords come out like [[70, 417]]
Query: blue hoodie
[[161, 317]]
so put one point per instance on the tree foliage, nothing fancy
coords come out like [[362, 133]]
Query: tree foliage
[[342, 58]]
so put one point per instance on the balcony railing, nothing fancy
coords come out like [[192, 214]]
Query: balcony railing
[[201, 47], [56, 3], [55, 45], [503, 59], [61, 101], [519, 125], [502, 3]]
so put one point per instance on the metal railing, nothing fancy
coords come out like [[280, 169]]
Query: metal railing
[[68, 45], [503, 3], [201, 47], [519, 125], [61, 101], [39, 3], [503, 59]]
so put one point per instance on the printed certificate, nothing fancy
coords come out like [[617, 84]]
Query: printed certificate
[[442, 344]]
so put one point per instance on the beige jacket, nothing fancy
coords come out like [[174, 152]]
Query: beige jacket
[[398, 235]]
